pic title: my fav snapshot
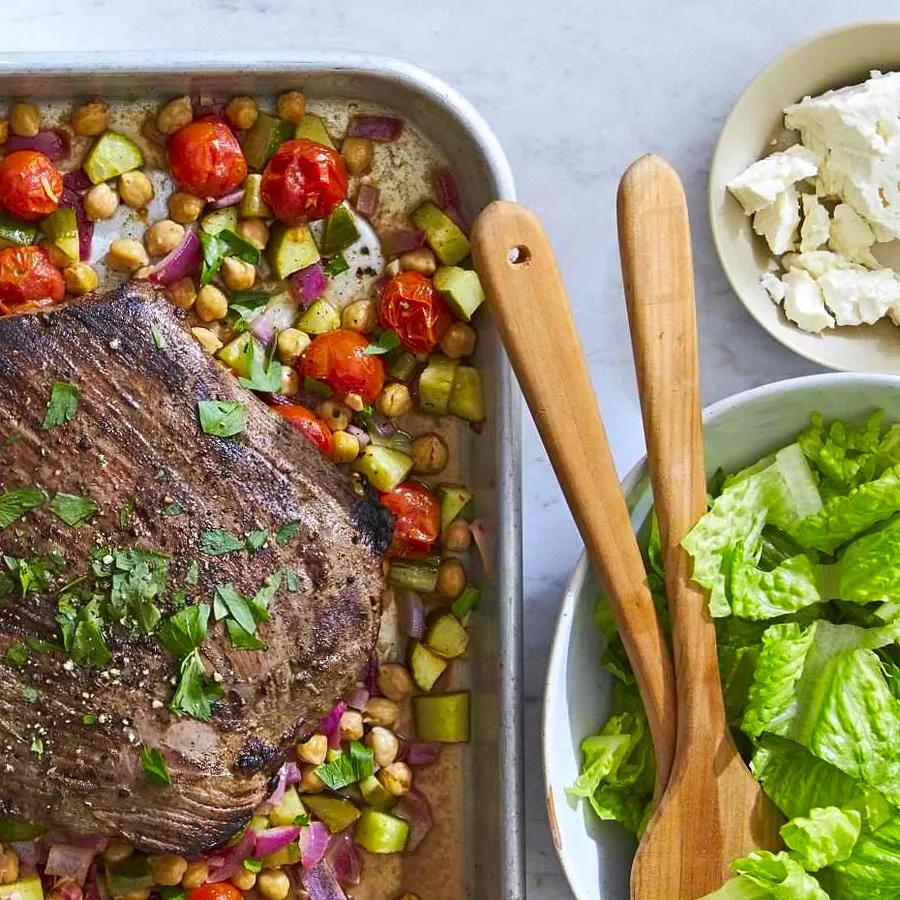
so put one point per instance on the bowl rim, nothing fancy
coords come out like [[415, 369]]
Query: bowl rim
[[582, 574], [717, 163]]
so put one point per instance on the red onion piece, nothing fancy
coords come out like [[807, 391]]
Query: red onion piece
[[412, 614], [396, 242], [53, 144], [418, 753], [375, 128], [69, 861], [367, 200], [454, 214], [382, 425], [278, 794], [360, 434], [221, 868], [446, 188], [77, 180], [67, 889], [184, 260], [279, 314], [314, 840], [228, 200], [85, 225], [358, 699], [415, 810], [321, 883], [308, 284], [345, 859], [370, 679], [483, 535], [293, 775], [30, 853], [274, 839], [91, 890], [330, 726]]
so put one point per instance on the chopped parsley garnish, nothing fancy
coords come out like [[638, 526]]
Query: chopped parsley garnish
[[237, 606], [265, 374], [184, 631], [335, 265], [302, 820], [314, 386], [243, 304], [125, 513], [12, 438], [384, 343], [29, 694], [222, 418], [39, 645], [217, 542], [37, 747], [75, 511], [348, 768], [62, 406], [17, 654], [256, 540], [252, 864], [173, 509], [193, 573], [89, 719], [82, 632], [154, 765], [241, 639], [14, 504], [196, 694], [217, 246], [158, 337], [29, 575], [291, 581], [287, 532]]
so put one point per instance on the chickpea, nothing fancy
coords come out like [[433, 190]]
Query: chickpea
[[126, 255], [358, 153], [237, 274], [291, 344], [100, 202], [429, 454], [273, 884], [135, 189], [24, 119], [80, 279], [458, 340], [134, 895], [195, 874], [420, 260], [142, 274], [185, 208], [336, 415], [394, 400], [208, 340], [354, 401], [244, 879], [395, 682], [89, 119], [211, 304], [384, 744], [458, 536], [314, 751], [9, 865], [167, 869], [351, 725], [345, 448], [360, 316], [4, 131], [290, 382], [163, 237], [382, 711], [396, 778], [451, 578], [241, 112], [256, 231], [183, 292], [310, 783], [117, 851], [291, 105], [175, 115], [408, 896]]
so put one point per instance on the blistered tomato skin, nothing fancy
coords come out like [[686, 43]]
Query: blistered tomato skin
[[417, 520], [303, 181], [313, 427], [338, 359], [220, 891], [28, 278], [206, 159], [411, 305], [30, 185]]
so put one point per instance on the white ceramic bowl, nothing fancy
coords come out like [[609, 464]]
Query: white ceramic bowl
[[596, 856], [831, 60]]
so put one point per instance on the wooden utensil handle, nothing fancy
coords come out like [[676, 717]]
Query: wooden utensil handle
[[654, 238], [515, 261]]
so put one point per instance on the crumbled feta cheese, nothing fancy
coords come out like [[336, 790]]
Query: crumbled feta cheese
[[778, 223], [816, 225], [759, 185], [774, 286], [817, 262], [851, 236], [857, 296], [803, 303]]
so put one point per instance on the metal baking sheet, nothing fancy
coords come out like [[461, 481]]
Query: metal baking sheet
[[476, 848]]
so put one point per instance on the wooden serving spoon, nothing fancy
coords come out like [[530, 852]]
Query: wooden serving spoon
[[515, 261], [713, 810]]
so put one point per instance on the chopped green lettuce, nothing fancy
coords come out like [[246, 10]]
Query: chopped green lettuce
[[780, 874], [824, 837]]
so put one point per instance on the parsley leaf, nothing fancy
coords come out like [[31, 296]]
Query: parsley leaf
[[14, 504], [140, 577], [243, 306], [17, 654], [158, 338], [62, 406], [252, 864], [384, 343], [348, 768], [335, 265], [241, 639], [238, 607], [39, 645], [89, 719], [264, 596], [125, 513], [154, 765], [75, 511], [37, 747], [183, 632], [287, 532], [222, 418], [12, 438], [196, 694], [173, 509], [217, 542], [193, 573], [82, 631], [29, 693], [256, 540], [265, 375], [217, 246]]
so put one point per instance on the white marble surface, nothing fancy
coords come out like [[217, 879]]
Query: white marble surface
[[575, 89]]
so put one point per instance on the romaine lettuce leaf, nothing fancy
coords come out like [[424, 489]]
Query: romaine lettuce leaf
[[869, 569], [790, 586], [780, 874], [739, 888], [826, 836], [872, 871], [846, 455]]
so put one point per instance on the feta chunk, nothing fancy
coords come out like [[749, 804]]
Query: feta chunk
[[803, 303], [816, 224], [817, 262], [774, 286], [778, 223], [759, 185], [851, 237], [857, 296]]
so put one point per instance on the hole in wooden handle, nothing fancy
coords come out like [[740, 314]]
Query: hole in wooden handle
[[519, 255]]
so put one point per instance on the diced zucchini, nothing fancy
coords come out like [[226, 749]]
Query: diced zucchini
[[313, 129], [446, 637], [220, 219], [27, 887], [426, 666], [461, 288], [340, 231], [336, 813], [383, 466], [259, 823], [290, 249], [112, 155], [234, 354], [417, 576], [131, 876], [436, 384], [380, 832], [319, 318], [290, 807], [14, 232], [444, 236], [443, 718], [265, 136], [61, 229], [454, 499], [286, 856], [252, 205], [13, 829], [467, 397], [466, 601], [375, 794], [401, 364]]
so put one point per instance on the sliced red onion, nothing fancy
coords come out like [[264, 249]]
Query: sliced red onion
[[77, 180], [274, 839], [91, 889], [418, 753], [308, 284], [396, 242], [483, 535], [415, 810], [277, 795], [84, 224], [330, 726], [53, 144], [69, 861], [313, 844], [412, 614], [184, 260], [229, 199], [321, 883], [30, 853], [446, 188], [360, 434], [370, 679], [293, 775], [456, 216], [222, 867], [279, 314], [375, 128], [66, 889], [358, 698], [367, 200], [382, 425], [345, 859]]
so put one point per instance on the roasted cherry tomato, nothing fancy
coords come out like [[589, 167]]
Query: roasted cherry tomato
[[206, 158], [417, 516], [303, 181], [411, 305], [30, 185], [28, 277], [338, 359], [314, 427], [222, 890]]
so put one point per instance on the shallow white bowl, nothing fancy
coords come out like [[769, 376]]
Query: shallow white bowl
[[596, 856], [830, 60]]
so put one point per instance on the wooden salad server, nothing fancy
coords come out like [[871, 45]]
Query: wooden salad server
[[713, 810], [525, 291]]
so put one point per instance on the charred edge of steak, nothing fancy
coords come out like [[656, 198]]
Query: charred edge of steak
[[255, 755], [374, 522]]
